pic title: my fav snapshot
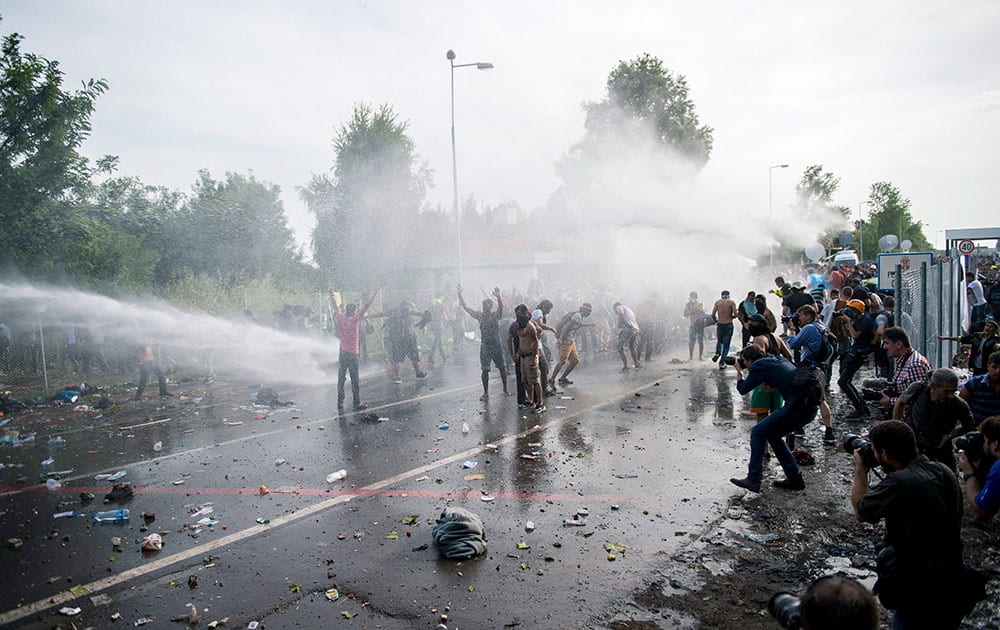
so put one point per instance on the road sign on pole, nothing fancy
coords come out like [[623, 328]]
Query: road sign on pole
[[966, 247]]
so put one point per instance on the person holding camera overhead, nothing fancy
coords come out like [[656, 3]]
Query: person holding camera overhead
[[778, 373], [984, 498], [920, 572]]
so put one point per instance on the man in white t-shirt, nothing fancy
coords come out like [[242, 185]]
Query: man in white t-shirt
[[975, 290]]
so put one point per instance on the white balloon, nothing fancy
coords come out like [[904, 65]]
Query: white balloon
[[906, 245], [815, 251]]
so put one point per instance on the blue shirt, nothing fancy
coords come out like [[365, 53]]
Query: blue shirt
[[809, 340], [865, 325], [778, 372], [984, 401], [988, 499]]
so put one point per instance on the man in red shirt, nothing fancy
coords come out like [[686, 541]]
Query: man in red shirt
[[348, 327], [836, 278]]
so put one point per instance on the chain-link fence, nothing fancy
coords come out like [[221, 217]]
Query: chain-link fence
[[931, 303]]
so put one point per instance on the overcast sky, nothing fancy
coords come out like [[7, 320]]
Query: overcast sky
[[907, 92]]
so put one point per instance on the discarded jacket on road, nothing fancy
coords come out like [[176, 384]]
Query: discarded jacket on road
[[459, 534]]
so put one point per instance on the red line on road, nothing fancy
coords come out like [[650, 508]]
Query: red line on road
[[358, 492]]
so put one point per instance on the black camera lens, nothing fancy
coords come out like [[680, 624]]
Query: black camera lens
[[784, 607], [730, 360], [972, 443], [854, 443]]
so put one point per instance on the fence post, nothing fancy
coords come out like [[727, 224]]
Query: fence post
[[45, 367], [940, 305], [923, 307]]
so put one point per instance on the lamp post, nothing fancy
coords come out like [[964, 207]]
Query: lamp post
[[454, 160], [770, 204]]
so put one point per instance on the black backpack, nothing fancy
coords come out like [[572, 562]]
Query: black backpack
[[828, 351]]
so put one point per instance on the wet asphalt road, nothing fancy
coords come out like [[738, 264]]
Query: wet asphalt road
[[647, 454]]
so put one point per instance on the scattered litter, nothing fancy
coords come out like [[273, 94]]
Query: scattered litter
[[492, 447], [232, 424], [141, 621], [100, 600], [53, 484], [48, 462], [422, 478], [574, 522], [208, 509], [529, 456], [208, 521], [762, 538], [410, 520], [476, 477], [178, 482], [559, 406], [263, 490], [615, 547], [336, 476], [523, 545], [157, 447], [116, 541], [263, 521], [393, 535], [109, 476], [279, 462], [332, 594], [487, 498], [71, 514], [119, 492], [56, 441], [444, 426], [78, 590], [803, 457], [153, 542], [529, 526], [465, 427], [583, 512], [469, 464], [69, 612], [148, 517], [565, 398], [269, 398], [14, 543]]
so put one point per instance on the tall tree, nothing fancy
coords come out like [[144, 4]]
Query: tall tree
[[235, 229], [366, 213], [889, 213], [41, 129], [814, 203], [644, 130]]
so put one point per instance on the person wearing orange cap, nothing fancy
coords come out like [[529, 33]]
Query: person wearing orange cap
[[861, 328]]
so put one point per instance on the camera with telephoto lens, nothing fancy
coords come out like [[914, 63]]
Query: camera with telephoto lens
[[972, 443], [793, 319], [784, 607], [731, 360], [854, 443]]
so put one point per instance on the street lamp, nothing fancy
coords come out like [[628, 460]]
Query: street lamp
[[770, 203], [454, 160]]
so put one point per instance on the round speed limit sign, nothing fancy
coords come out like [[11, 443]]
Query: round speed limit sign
[[966, 247]]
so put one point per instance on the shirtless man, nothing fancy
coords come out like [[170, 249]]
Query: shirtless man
[[490, 350], [724, 312], [527, 358]]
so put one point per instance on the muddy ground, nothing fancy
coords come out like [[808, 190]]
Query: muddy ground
[[724, 580]]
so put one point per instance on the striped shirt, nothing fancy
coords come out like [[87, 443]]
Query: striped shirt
[[982, 398]]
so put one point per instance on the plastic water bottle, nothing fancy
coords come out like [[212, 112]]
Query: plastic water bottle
[[112, 516], [336, 476], [578, 522], [53, 484], [57, 441], [158, 447]]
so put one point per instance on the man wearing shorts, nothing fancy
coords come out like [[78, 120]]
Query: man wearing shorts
[[694, 311], [527, 359], [568, 354], [490, 350], [628, 335]]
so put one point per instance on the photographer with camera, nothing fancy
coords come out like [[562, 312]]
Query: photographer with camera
[[935, 414], [910, 366], [831, 602], [919, 565], [984, 497], [753, 368], [861, 328], [813, 347]]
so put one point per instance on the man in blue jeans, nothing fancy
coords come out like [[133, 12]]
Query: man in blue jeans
[[778, 373], [724, 313]]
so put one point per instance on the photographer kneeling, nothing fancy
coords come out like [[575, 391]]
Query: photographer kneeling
[[984, 498], [919, 565], [799, 409]]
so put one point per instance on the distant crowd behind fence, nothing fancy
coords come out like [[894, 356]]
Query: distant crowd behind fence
[[931, 302]]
